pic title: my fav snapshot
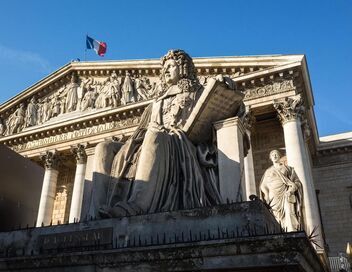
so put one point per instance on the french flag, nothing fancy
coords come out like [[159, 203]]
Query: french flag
[[99, 47]]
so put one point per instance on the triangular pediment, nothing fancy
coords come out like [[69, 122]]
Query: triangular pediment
[[82, 91]]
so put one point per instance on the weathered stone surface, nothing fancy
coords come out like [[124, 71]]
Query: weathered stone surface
[[233, 236], [217, 102]]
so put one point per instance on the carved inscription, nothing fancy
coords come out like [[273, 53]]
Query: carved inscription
[[75, 239], [84, 132]]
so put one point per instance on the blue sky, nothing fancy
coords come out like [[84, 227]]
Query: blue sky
[[38, 37]]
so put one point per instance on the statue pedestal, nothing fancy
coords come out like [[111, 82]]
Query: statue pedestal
[[233, 237]]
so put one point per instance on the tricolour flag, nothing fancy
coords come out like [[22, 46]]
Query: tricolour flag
[[99, 47]]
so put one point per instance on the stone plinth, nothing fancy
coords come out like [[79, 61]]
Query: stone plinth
[[230, 143], [234, 236]]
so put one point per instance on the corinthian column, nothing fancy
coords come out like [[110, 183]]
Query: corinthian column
[[78, 186], [47, 196], [290, 111], [250, 187]]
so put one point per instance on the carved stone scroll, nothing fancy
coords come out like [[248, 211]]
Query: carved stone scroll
[[289, 108], [80, 153], [50, 159], [269, 89]]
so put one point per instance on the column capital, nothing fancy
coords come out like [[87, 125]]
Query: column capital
[[50, 159], [289, 108], [79, 151]]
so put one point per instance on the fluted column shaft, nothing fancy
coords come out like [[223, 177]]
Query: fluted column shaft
[[78, 186], [47, 196]]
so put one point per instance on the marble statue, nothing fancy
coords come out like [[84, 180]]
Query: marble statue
[[158, 168], [282, 190], [128, 90], [31, 113], [72, 95]]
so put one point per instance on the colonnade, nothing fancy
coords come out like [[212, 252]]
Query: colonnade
[[51, 161], [236, 166], [290, 112]]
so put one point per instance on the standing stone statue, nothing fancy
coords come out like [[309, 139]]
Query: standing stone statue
[[141, 89], [128, 90], [89, 97], [72, 95], [282, 190], [158, 168], [46, 109], [31, 113], [15, 122], [56, 105]]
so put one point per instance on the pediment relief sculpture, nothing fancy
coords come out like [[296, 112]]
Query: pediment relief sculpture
[[87, 92], [166, 164], [80, 95]]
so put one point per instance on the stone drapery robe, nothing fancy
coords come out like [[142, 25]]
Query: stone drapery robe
[[286, 206], [72, 97], [158, 169]]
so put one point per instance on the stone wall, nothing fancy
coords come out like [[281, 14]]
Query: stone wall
[[333, 178], [267, 135], [63, 197]]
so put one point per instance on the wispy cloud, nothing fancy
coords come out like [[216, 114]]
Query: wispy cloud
[[336, 113], [25, 58]]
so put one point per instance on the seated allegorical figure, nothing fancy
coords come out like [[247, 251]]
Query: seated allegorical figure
[[282, 190], [158, 168]]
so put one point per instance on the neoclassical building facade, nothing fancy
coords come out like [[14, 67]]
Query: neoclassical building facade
[[59, 121]]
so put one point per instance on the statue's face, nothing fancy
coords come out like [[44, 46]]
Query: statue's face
[[275, 156], [171, 72]]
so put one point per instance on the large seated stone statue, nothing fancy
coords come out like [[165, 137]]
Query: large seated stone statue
[[159, 168], [282, 190]]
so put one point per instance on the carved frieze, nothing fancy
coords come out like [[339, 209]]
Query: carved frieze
[[270, 89]]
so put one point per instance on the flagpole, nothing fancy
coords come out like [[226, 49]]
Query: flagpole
[[85, 50]]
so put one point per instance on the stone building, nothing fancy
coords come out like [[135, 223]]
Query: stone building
[[59, 121]]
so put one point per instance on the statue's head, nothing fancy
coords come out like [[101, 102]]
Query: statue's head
[[73, 78], [275, 155], [177, 65]]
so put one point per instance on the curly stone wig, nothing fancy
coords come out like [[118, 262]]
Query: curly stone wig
[[188, 77]]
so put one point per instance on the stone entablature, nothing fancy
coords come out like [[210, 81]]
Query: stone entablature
[[261, 81]]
